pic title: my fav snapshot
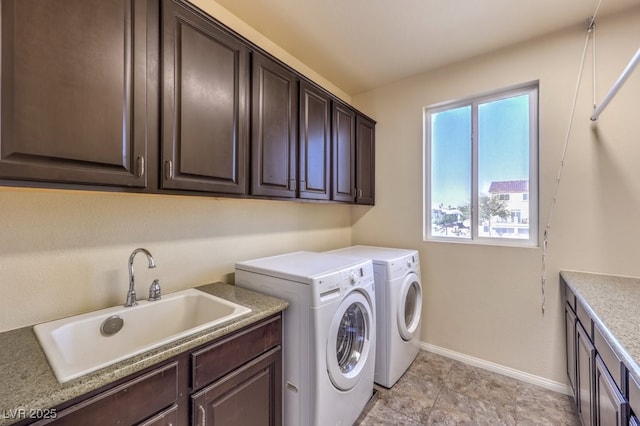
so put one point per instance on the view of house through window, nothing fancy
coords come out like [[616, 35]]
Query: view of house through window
[[481, 168]]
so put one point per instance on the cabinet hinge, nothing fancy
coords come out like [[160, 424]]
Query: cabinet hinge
[[140, 166], [168, 169]]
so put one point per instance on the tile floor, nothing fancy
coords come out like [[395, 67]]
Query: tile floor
[[438, 390]]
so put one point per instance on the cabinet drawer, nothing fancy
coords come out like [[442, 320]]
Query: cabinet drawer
[[218, 359], [634, 396], [611, 361], [584, 319], [127, 404]]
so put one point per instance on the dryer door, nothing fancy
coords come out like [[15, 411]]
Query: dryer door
[[409, 306], [349, 343]]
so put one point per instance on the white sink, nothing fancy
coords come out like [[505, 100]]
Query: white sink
[[76, 346]]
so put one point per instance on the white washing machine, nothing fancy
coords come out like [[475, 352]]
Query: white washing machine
[[329, 332], [398, 308]]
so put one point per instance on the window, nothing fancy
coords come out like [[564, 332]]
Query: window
[[481, 168]]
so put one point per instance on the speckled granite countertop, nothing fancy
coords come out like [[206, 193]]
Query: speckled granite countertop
[[613, 302], [27, 382]]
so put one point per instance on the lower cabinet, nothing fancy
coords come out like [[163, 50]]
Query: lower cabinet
[[238, 381], [249, 396], [235, 380], [602, 386]]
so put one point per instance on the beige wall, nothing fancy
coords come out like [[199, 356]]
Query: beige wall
[[66, 252], [484, 301]]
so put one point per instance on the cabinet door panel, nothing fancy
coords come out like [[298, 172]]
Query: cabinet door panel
[[249, 396], [344, 146], [274, 122], [315, 143], [585, 355], [570, 342], [205, 122], [74, 91], [611, 407], [365, 161]]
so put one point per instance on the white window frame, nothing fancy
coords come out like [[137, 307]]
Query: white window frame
[[531, 88]]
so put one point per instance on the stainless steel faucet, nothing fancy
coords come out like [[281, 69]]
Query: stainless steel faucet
[[131, 294]]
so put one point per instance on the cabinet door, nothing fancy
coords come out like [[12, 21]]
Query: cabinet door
[[205, 121], [273, 130], [74, 89], [249, 396], [570, 346], [611, 407], [585, 354], [315, 143], [365, 161], [344, 148]]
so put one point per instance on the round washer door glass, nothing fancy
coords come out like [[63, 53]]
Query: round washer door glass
[[349, 340], [409, 306]]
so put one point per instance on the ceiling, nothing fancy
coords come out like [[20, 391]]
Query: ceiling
[[359, 45]]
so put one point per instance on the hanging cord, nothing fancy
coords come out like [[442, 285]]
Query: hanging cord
[[545, 242], [592, 28]]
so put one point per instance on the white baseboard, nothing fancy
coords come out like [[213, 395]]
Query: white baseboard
[[497, 368]]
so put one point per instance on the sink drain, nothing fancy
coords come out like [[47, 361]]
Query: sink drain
[[111, 325]]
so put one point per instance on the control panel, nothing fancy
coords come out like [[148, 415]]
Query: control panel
[[338, 284]]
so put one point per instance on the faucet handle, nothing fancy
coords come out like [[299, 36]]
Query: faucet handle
[[155, 293]]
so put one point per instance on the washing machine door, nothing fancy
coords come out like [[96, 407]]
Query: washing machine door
[[409, 306], [349, 342]]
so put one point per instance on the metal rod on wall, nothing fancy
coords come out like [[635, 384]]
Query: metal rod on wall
[[616, 86]]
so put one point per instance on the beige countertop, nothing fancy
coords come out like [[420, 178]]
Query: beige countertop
[[613, 302], [28, 383]]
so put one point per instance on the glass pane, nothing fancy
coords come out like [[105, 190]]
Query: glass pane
[[451, 173], [410, 305], [351, 338], [503, 168]]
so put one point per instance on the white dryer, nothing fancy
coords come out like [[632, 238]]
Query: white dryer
[[398, 308], [329, 332]]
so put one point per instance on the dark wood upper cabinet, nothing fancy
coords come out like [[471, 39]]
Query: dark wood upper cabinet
[[273, 132], [365, 160], [344, 148], [75, 98], [205, 121], [157, 96], [315, 143]]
